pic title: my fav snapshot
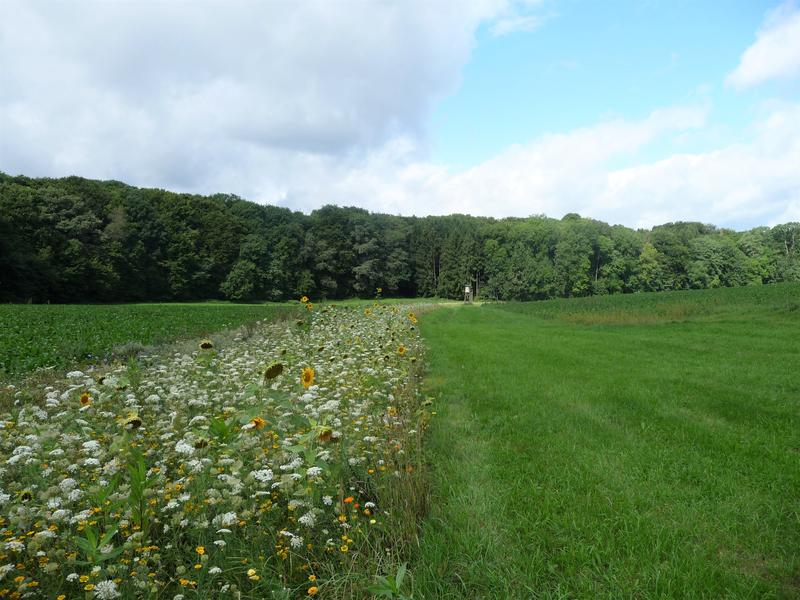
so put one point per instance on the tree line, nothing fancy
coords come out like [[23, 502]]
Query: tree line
[[81, 240]]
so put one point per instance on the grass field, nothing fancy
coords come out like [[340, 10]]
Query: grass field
[[626, 447], [34, 336]]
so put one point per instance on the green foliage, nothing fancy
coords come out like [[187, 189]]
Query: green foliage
[[78, 240], [391, 585], [35, 336]]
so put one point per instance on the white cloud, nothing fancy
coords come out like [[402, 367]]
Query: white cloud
[[775, 53], [327, 103], [162, 93], [751, 183], [519, 16]]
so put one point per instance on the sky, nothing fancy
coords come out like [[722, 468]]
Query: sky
[[637, 112]]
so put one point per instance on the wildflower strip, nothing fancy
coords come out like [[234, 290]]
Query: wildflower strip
[[266, 467]]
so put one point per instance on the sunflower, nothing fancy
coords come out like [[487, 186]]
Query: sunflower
[[133, 421], [309, 307], [258, 423], [304, 299], [325, 434], [206, 344], [273, 370], [412, 317], [401, 349], [86, 399], [307, 377]]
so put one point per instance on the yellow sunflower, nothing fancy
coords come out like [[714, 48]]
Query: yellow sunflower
[[307, 377], [86, 399], [206, 344], [401, 350], [258, 423], [304, 299]]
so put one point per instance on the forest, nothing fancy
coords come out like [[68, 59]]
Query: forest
[[80, 240]]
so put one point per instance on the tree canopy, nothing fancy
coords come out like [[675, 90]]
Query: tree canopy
[[81, 240]]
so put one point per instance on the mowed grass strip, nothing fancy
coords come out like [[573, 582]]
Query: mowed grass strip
[[614, 461], [34, 336]]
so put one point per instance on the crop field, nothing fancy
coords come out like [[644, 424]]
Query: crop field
[[641, 446], [33, 336]]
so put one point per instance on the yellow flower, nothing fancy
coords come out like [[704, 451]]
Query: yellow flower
[[401, 349], [307, 377], [200, 550], [258, 423], [312, 578], [304, 299], [312, 591], [412, 317], [206, 344], [86, 399], [89, 587]]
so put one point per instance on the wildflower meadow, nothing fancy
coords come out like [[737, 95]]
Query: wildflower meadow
[[279, 463]]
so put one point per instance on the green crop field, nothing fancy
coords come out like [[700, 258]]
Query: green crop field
[[36, 335], [619, 447]]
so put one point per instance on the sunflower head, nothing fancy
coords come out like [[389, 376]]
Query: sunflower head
[[85, 399], [303, 299], [273, 370], [401, 349], [325, 434], [133, 421], [309, 306], [412, 317], [258, 423], [307, 377], [206, 344]]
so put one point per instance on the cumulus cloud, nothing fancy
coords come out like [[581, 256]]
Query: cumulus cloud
[[775, 53], [741, 185], [163, 92]]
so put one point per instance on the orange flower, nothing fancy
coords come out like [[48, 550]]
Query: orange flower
[[312, 591], [348, 500]]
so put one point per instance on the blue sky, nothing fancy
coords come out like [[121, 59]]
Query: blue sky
[[589, 61], [633, 112]]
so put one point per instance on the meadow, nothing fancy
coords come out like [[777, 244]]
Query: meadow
[[640, 446]]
